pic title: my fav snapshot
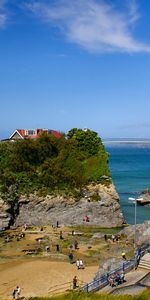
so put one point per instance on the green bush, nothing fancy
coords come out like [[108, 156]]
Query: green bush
[[52, 165], [95, 197]]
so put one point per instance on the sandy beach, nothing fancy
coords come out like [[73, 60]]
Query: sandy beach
[[38, 277]]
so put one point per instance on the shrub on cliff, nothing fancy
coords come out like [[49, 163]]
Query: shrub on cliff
[[52, 164]]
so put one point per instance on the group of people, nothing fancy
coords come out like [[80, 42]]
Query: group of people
[[71, 246], [20, 236], [114, 237], [115, 279], [79, 264]]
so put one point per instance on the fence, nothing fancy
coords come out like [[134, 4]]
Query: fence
[[101, 281]]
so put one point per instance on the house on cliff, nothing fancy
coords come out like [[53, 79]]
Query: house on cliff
[[22, 134]]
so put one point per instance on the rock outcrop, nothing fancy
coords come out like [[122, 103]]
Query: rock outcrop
[[99, 202], [5, 215], [141, 232], [104, 212]]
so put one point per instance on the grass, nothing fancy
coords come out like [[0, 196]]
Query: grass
[[89, 229], [1, 233], [93, 296], [91, 251]]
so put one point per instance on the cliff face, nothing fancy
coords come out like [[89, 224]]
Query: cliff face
[[5, 215], [42, 211], [104, 211]]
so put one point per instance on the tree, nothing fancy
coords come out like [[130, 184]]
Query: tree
[[49, 164], [87, 140]]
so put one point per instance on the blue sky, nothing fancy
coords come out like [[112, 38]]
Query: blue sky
[[75, 63]]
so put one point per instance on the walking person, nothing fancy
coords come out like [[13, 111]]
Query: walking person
[[124, 255], [14, 293], [105, 237], [75, 244], [18, 292], [61, 235], [75, 282], [70, 257]]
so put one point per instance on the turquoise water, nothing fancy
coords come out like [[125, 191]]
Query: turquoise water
[[130, 169]]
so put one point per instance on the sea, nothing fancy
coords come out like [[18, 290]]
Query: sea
[[129, 164]]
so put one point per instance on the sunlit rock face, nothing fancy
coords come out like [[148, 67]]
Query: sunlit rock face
[[99, 203], [5, 215]]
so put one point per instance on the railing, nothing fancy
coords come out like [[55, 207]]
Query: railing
[[100, 281]]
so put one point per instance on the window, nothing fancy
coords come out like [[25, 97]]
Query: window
[[30, 132]]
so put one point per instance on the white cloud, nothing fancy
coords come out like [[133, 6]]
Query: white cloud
[[3, 14], [95, 25], [2, 19]]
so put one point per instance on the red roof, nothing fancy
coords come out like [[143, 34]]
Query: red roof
[[29, 133], [56, 133]]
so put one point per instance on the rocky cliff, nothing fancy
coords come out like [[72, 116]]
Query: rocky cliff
[[140, 233], [5, 215], [99, 202]]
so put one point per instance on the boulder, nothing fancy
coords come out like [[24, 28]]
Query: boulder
[[141, 232]]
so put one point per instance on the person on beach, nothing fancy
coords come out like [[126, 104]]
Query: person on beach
[[57, 248], [81, 265], [113, 238], [75, 282], [111, 280], [139, 252], [25, 227], [138, 257], [105, 237], [78, 264], [75, 244], [61, 235], [124, 255], [127, 242], [70, 257], [70, 247], [18, 292], [14, 293]]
